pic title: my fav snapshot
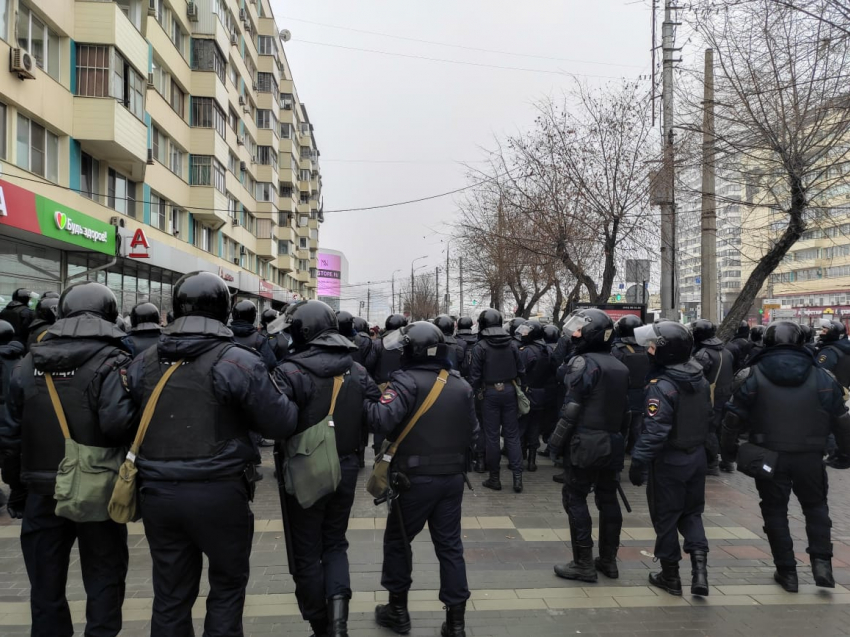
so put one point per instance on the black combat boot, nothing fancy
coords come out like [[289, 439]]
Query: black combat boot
[[478, 463], [713, 468], [319, 626], [394, 615], [581, 568], [518, 482], [361, 458], [727, 467], [699, 573], [609, 542], [454, 626], [668, 578], [786, 577], [822, 571], [532, 460], [338, 616], [782, 548], [560, 478], [493, 482]]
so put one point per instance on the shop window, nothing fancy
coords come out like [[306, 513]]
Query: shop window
[[89, 174], [121, 194], [38, 149], [36, 37]]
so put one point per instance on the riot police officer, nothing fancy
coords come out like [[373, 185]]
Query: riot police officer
[[145, 329], [495, 365], [627, 351], [367, 353], [808, 337], [677, 417], [388, 361], [757, 339], [789, 407], [11, 352], [196, 480], [456, 347], [551, 337], [539, 386], [590, 436], [740, 345], [834, 350], [19, 314], [320, 353], [718, 368], [245, 332], [430, 464], [464, 331], [513, 325], [278, 342], [82, 353], [45, 315]]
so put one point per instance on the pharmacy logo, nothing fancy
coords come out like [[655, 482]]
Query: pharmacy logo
[[69, 225], [61, 219]]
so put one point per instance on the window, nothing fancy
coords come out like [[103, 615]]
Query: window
[[203, 236], [266, 83], [285, 189], [265, 119], [133, 10], [177, 99], [121, 194], [5, 5], [266, 156], [89, 176], [286, 101], [206, 57], [266, 45], [206, 171], [233, 74], [207, 114], [232, 206], [286, 131], [264, 191], [34, 36], [178, 38], [159, 212], [93, 70], [232, 163], [2, 111], [302, 242], [283, 246], [304, 174], [175, 160], [232, 119], [159, 145], [38, 149]]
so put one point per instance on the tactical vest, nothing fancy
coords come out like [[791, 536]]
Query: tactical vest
[[189, 421], [42, 442], [692, 419], [634, 357], [456, 355], [142, 341], [438, 442], [499, 363], [789, 419], [347, 416], [541, 374], [603, 409], [842, 367], [723, 388], [389, 361], [359, 355]]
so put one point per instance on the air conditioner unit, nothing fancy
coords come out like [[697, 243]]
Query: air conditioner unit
[[234, 221], [150, 156], [255, 87], [21, 62], [241, 101], [118, 222], [240, 140], [254, 159], [150, 80], [152, 8], [236, 260], [287, 106], [246, 110], [242, 15], [234, 39], [243, 166], [242, 250], [192, 12]]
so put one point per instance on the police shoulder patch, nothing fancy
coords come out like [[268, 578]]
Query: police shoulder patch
[[822, 358], [388, 396], [653, 381], [652, 407]]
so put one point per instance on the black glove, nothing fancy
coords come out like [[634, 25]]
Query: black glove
[[637, 473], [10, 465], [17, 503]]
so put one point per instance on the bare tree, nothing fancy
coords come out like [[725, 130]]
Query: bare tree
[[782, 121], [420, 302], [835, 13]]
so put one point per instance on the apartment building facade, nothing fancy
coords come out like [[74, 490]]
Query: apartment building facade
[[142, 139]]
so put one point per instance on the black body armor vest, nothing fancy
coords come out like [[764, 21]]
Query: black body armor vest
[[603, 409], [499, 363], [348, 413], [693, 416]]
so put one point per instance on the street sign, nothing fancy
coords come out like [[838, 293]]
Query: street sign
[[621, 286], [698, 280], [771, 306], [638, 270], [633, 294]]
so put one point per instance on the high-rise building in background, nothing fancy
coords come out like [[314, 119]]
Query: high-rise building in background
[[143, 139]]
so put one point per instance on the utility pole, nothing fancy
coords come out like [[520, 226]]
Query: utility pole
[[708, 253], [668, 205], [448, 246], [437, 293], [368, 303], [460, 277], [392, 296]]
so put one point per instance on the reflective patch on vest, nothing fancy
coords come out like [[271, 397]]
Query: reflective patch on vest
[[124, 380], [652, 407], [822, 358], [388, 396]]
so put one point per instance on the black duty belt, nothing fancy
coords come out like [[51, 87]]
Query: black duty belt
[[436, 460], [761, 439], [498, 386]]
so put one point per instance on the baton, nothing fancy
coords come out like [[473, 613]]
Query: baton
[[623, 497], [284, 510]]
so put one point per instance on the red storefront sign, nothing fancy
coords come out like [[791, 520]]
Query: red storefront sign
[[266, 289]]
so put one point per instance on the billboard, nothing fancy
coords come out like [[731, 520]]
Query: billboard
[[615, 310], [329, 274]]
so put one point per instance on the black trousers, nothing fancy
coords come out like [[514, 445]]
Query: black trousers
[[805, 475], [46, 542], [676, 496], [320, 547], [577, 486], [529, 429], [500, 417], [183, 522], [436, 500]]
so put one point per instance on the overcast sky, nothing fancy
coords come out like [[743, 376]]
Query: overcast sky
[[393, 128]]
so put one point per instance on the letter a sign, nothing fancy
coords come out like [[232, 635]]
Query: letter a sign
[[138, 242]]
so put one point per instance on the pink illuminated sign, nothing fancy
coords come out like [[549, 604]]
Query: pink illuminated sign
[[329, 274]]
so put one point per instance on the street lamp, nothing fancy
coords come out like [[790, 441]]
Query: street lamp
[[393, 289], [411, 282]]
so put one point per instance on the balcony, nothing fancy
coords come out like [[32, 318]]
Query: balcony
[[112, 133], [104, 23], [285, 263], [267, 248], [208, 204]]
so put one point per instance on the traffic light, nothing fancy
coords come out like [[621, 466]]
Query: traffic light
[[619, 297], [761, 311], [474, 302]]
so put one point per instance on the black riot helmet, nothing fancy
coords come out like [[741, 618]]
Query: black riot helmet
[[808, 333], [464, 325], [490, 323], [22, 295], [627, 324], [267, 317], [784, 333], [47, 308], [7, 332], [50, 295], [703, 330], [245, 311], [88, 297], [551, 334], [530, 332], [514, 324], [743, 330], [201, 294], [345, 321], [313, 323], [145, 316], [395, 322], [597, 331], [673, 341], [446, 324], [169, 317], [757, 334], [832, 330], [360, 325], [419, 341]]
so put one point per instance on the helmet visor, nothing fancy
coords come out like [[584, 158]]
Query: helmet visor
[[645, 335], [574, 323], [395, 340], [824, 323], [280, 324], [522, 331]]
